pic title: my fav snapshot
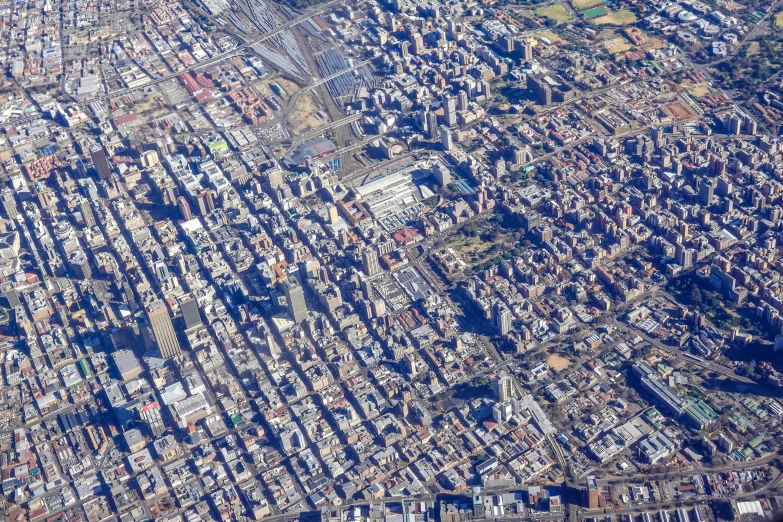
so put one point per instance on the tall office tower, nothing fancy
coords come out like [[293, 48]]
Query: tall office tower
[[462, 100], [184, 208], [295, 300], [485, 89], [9, 205], [87, 215], [418, 44], [706, 189], [80, 264], [450, 110], [526, 50], [503, 387], [100, 162], [127, 291], [445, 138], [501, 316], [683, 255], [162, 330], [500, 167], [206, 203], [432, 125], [370, 263]]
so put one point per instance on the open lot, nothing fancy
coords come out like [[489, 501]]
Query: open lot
[[779, 19], [617, 45], [549, 35], [303, 116], [699, 89], [621, 17], [558, 362]]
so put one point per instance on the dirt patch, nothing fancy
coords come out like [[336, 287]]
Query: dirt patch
[[558, 362], [678, 110], [303, 117], [779, 19]]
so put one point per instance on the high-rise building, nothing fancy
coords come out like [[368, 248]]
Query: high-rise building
[[162, 330], [100, 162], [503, 387], [370, 263], [442, 174], [184, 208], [418, 44], [445, 138], [706, 189], [462, 100], [525, 50], [9, 205], [295, 299], [485, 89], [206, 204], [500, 167], [450, 110], [501, 316], [128, 293], [149, 159], [432, 125], [592, 492], [683, 255], [87, 215], [80, 264]]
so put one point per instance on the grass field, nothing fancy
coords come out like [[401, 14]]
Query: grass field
[[621, 17], [549, 35], [585, 4], [779, 20], [555, 12], [594, 13]]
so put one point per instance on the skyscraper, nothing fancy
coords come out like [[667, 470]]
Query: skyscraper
[[432, 125], [370, 263], [9, 204], [100, 162], [206, 204], [295, 300], [87, 215], [450, 110], [445, 138], [503, 387], [184, 208], [501, 316], [462, 98], [162, 330], [706, 190]]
